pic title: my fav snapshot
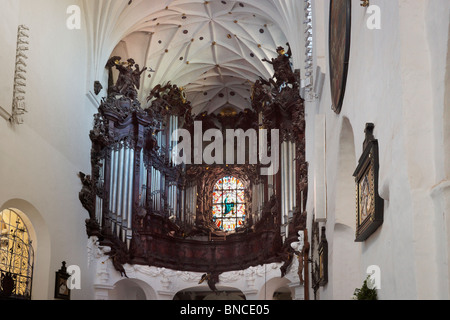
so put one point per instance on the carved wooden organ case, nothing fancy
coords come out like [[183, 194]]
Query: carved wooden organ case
[[151, 212]]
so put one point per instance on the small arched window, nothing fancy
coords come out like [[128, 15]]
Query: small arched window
[[16, 257], [229, 204]]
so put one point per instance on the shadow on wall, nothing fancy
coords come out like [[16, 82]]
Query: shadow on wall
[[346, 254], [447, 114], [345, 182], [345, 274]]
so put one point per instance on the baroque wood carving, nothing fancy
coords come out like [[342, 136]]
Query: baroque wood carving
[[152, 237], [279, 101]]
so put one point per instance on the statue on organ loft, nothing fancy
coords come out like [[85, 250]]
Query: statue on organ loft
[[282, 67], [128, 81]]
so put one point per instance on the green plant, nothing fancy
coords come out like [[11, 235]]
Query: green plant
[[366, 293]]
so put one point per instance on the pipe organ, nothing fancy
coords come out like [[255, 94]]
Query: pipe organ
[[121, 169], [153, 212]]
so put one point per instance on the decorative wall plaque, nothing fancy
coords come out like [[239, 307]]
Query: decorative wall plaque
[[61, 286], [339, 49], [369, 205], [19, 107]]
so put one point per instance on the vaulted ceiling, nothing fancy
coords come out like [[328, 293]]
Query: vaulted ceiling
[[213, 49]]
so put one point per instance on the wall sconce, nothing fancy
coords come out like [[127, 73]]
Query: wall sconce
[[365, 3]]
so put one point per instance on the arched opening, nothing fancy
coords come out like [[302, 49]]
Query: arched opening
[[203, 293], [276, 289], [16, 256], [132, 289], [345, 183], [345, 253], [40, 241], [283, 293]]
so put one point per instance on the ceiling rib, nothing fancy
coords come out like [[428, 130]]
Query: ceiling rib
[[211, 48]]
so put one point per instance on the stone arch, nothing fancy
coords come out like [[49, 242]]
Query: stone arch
[[345, 182], [40, 236], [132, 289], [344, 255], [274, 285]]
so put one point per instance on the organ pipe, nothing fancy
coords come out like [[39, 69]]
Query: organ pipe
[[269, 186], [288, 182], [99, 200], [130, 189], [124, 193], [143, 174], [114, 170], [284, 182], [291, 180], [119, 189]]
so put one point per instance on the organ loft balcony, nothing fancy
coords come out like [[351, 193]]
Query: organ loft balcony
[[161, 193]]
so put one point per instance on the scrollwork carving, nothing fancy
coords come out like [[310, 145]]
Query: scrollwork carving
[[19, 106]]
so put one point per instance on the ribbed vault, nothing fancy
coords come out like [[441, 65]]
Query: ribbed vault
[[213, 49]]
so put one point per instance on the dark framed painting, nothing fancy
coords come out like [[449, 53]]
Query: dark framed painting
[[339, 49], [62, 290], [369, 205]]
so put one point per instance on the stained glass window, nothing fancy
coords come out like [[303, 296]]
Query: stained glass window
[[229, 204]]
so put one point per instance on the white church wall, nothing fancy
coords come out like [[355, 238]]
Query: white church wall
[[389, 85], [441, 192], [42, 157], [437, 31], [8, 38]]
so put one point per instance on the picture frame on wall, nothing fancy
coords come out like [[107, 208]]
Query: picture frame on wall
[[369, 205], [339, 46], [62, 290]]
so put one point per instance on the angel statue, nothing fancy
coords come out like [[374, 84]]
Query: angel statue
[[282, 67], [128, 82]]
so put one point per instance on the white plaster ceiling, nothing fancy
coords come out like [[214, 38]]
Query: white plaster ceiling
[[213, 49]]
